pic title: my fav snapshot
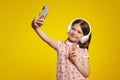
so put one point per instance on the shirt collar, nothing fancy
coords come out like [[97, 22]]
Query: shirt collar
[[70, 44]]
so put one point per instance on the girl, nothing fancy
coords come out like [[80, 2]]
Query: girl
[[73, 63]]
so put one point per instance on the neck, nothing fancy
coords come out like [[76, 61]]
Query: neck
[[73, 43]]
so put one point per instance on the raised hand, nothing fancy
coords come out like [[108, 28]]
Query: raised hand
[[38, 21], [73, 54]]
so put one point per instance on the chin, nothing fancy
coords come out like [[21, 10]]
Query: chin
[[72, 40]]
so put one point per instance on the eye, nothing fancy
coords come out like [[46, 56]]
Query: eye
[[73, 28], [79, 32]]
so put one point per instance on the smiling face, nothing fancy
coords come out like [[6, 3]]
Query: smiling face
[[75, 33]]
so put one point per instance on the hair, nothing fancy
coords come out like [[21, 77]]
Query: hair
[[85, 29]]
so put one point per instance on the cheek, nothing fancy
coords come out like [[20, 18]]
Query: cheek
[[69, 32], [80, 36]]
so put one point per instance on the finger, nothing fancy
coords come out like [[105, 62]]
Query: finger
[[73, 47], [73, 55], [72, 52], [41, 16], [36, 18], [39, 23], [36, 24], [40, 20]]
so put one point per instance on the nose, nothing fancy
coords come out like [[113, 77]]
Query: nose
[[74, 32]]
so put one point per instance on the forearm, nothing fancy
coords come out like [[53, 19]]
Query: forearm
[[82, 68], [45, 37], [42, 34]]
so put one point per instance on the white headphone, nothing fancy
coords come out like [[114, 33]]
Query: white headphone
[[84, 38]]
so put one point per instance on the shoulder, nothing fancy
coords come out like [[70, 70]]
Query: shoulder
[[61, 44], [82, 49]]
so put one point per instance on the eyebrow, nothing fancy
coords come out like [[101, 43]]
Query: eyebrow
[[78, 30]]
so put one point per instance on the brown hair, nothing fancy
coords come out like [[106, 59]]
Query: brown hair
[[86, 29]]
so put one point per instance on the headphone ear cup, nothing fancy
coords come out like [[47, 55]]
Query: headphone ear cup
[[84, 39], [69, 28]]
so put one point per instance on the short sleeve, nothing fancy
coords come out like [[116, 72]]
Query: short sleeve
[[85, 54], [58, 46]]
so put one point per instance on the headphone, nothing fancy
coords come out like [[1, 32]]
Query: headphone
[[84, 38]]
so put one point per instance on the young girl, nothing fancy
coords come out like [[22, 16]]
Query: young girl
[[73, 63]]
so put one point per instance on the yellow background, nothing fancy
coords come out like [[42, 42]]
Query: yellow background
[[24, 56]]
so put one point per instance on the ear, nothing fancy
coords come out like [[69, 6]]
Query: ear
[[68, 32]]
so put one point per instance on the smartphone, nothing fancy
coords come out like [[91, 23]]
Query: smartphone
[[44, 11]]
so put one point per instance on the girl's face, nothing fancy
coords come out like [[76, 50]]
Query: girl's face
[[75, 33]]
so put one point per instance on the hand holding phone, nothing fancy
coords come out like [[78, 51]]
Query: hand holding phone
[[38, 21]]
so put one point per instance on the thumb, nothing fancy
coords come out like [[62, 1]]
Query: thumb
[[73, 47]]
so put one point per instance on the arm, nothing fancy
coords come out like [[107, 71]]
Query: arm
[[82, 67], [38, 21]]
